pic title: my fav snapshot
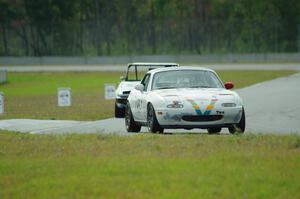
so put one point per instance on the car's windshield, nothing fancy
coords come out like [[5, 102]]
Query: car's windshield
[[185, 79]]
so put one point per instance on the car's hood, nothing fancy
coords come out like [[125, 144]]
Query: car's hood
[[196, 93], [128, 85]]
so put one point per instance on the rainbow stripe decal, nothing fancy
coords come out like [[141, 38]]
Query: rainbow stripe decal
[[208, 109]]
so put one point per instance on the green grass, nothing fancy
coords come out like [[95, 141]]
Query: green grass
[[149, 166], [33, 95]]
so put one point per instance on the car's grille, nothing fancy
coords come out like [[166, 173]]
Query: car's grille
[[122, 101], [201, 118]]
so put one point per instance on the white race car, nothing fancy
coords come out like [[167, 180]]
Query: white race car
[[184, 97], [134, 73]]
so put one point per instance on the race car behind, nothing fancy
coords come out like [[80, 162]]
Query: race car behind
[[134, 73]]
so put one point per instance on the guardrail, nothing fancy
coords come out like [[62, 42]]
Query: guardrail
[[111, 60]]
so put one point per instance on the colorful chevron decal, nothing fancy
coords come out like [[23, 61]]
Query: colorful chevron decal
[[195, 106], [208, 109]]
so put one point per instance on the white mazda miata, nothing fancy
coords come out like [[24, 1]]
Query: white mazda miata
[[185, 97]]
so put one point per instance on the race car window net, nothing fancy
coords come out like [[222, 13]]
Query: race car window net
[[145, 81], [185, 79]]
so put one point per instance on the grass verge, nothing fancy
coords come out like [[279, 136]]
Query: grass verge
[[149, 166], [33, 95]]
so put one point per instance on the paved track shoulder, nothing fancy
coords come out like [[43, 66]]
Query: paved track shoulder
[[273, 106]]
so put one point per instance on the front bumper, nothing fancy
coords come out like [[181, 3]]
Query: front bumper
[[173, 118], [121, 102]]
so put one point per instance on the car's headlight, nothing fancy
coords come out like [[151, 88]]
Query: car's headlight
[[175, 104], [229, 104]]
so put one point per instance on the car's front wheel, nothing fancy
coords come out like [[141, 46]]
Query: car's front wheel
[[131, 125], [239, 127], [152, 123]]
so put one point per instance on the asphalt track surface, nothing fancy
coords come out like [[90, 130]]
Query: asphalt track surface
[[271, 107]]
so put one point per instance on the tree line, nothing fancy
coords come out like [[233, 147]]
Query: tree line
[[140, 27]]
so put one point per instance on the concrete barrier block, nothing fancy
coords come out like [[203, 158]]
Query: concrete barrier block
[[62, 60], [20, 60], [110, 60], [120, 60]]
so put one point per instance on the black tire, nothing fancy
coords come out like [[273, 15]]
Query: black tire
[[131, 125], [152, 123], [240, 127], [119, 112], [214, 130]]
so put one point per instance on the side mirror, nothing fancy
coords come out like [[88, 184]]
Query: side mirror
[[122, 78], [229, 85], [139, 87]]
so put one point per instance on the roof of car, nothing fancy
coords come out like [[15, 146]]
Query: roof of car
[[152, 64], [180, 68]]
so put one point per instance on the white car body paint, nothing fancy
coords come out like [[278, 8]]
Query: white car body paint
[[195, 102], [125, 86]]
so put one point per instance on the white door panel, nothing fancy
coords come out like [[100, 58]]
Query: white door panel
[[144, 107], [138, 105]]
